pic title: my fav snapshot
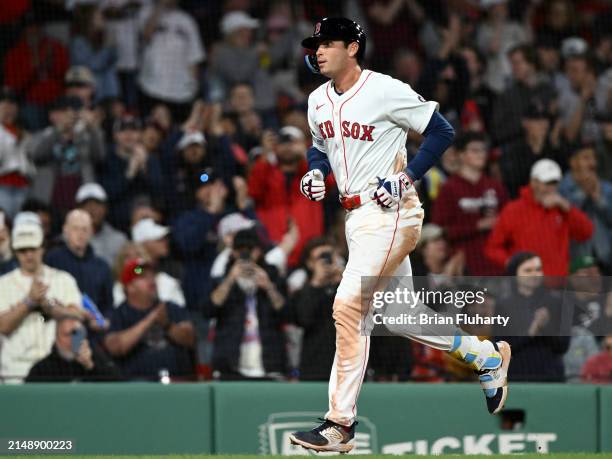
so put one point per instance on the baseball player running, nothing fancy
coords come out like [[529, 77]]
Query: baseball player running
[[359, 122]]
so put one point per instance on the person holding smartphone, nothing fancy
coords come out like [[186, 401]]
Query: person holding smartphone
[[312, 310], [73, 357], [248, 305]]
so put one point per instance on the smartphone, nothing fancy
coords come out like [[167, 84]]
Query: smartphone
[[78, 335]]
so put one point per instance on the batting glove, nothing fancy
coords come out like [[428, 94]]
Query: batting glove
[[313, 185], [391, 189]]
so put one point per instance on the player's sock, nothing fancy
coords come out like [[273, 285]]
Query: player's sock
[[480, 355]]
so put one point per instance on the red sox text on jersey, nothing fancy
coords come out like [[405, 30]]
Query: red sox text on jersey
[[349, 129]]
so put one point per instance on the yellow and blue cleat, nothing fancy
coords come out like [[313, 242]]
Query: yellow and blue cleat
[[493, 377]]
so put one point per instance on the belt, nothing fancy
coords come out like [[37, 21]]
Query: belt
[[354, 201]]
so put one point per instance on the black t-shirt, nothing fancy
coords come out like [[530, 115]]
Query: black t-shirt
[[155, 352]]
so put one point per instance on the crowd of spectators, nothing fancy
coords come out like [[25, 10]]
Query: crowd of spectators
[[150, 157]]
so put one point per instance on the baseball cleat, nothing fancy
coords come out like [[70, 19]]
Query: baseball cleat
[[329, 436], [494, 382]]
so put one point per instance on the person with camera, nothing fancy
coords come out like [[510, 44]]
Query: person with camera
[[66, 154], [73, 358], [248, 305], [312, 310]]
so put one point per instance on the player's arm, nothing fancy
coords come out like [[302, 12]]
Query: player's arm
[[410, 111], [313, 183], [439, 136]]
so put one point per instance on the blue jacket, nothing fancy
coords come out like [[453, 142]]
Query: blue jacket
[[121, 190], [181, 177], [195, 236], [92, 274]]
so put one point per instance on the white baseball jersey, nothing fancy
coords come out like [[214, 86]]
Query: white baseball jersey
[[363, 131]]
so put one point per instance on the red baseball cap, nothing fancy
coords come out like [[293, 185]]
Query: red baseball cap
[[133, 268]]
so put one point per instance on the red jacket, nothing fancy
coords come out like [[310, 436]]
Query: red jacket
[[524, 225], [459, 207], [275, 203], [598, 369], [39, 85]]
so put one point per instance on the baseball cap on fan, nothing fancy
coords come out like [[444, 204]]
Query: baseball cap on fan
[[89, 191], [237, 20], [192, 138], [233, 223], [133, 269], [289, 134], [546, 171], [147, 230], [27, 236], [79, 75]]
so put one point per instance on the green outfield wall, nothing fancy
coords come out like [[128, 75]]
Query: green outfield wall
[[256, 418]]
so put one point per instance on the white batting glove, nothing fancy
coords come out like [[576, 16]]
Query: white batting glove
[[391, 189], [313, 185]]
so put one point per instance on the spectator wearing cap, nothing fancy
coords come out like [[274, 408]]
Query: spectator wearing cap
[[584, 189], [233, 223], [534, 331], [172, 53], [34, 67], [91, 47], [153, 239], [76, 256], [80, 82], [311, 308], [106, 241], [10, 262], [577, 107], [236, 59], [29, 293], [469, 204], [66, 154], [146, 335], [248, 304], [536, 142], [195, 235], [16, 169], [192, 154], [274, 185], [527, 85], [130, 171], [540, 210]]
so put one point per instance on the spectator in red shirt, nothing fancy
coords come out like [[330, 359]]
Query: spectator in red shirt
[[469, 204], [598, 369], [35, 69], [540, 221], [274, 186]]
